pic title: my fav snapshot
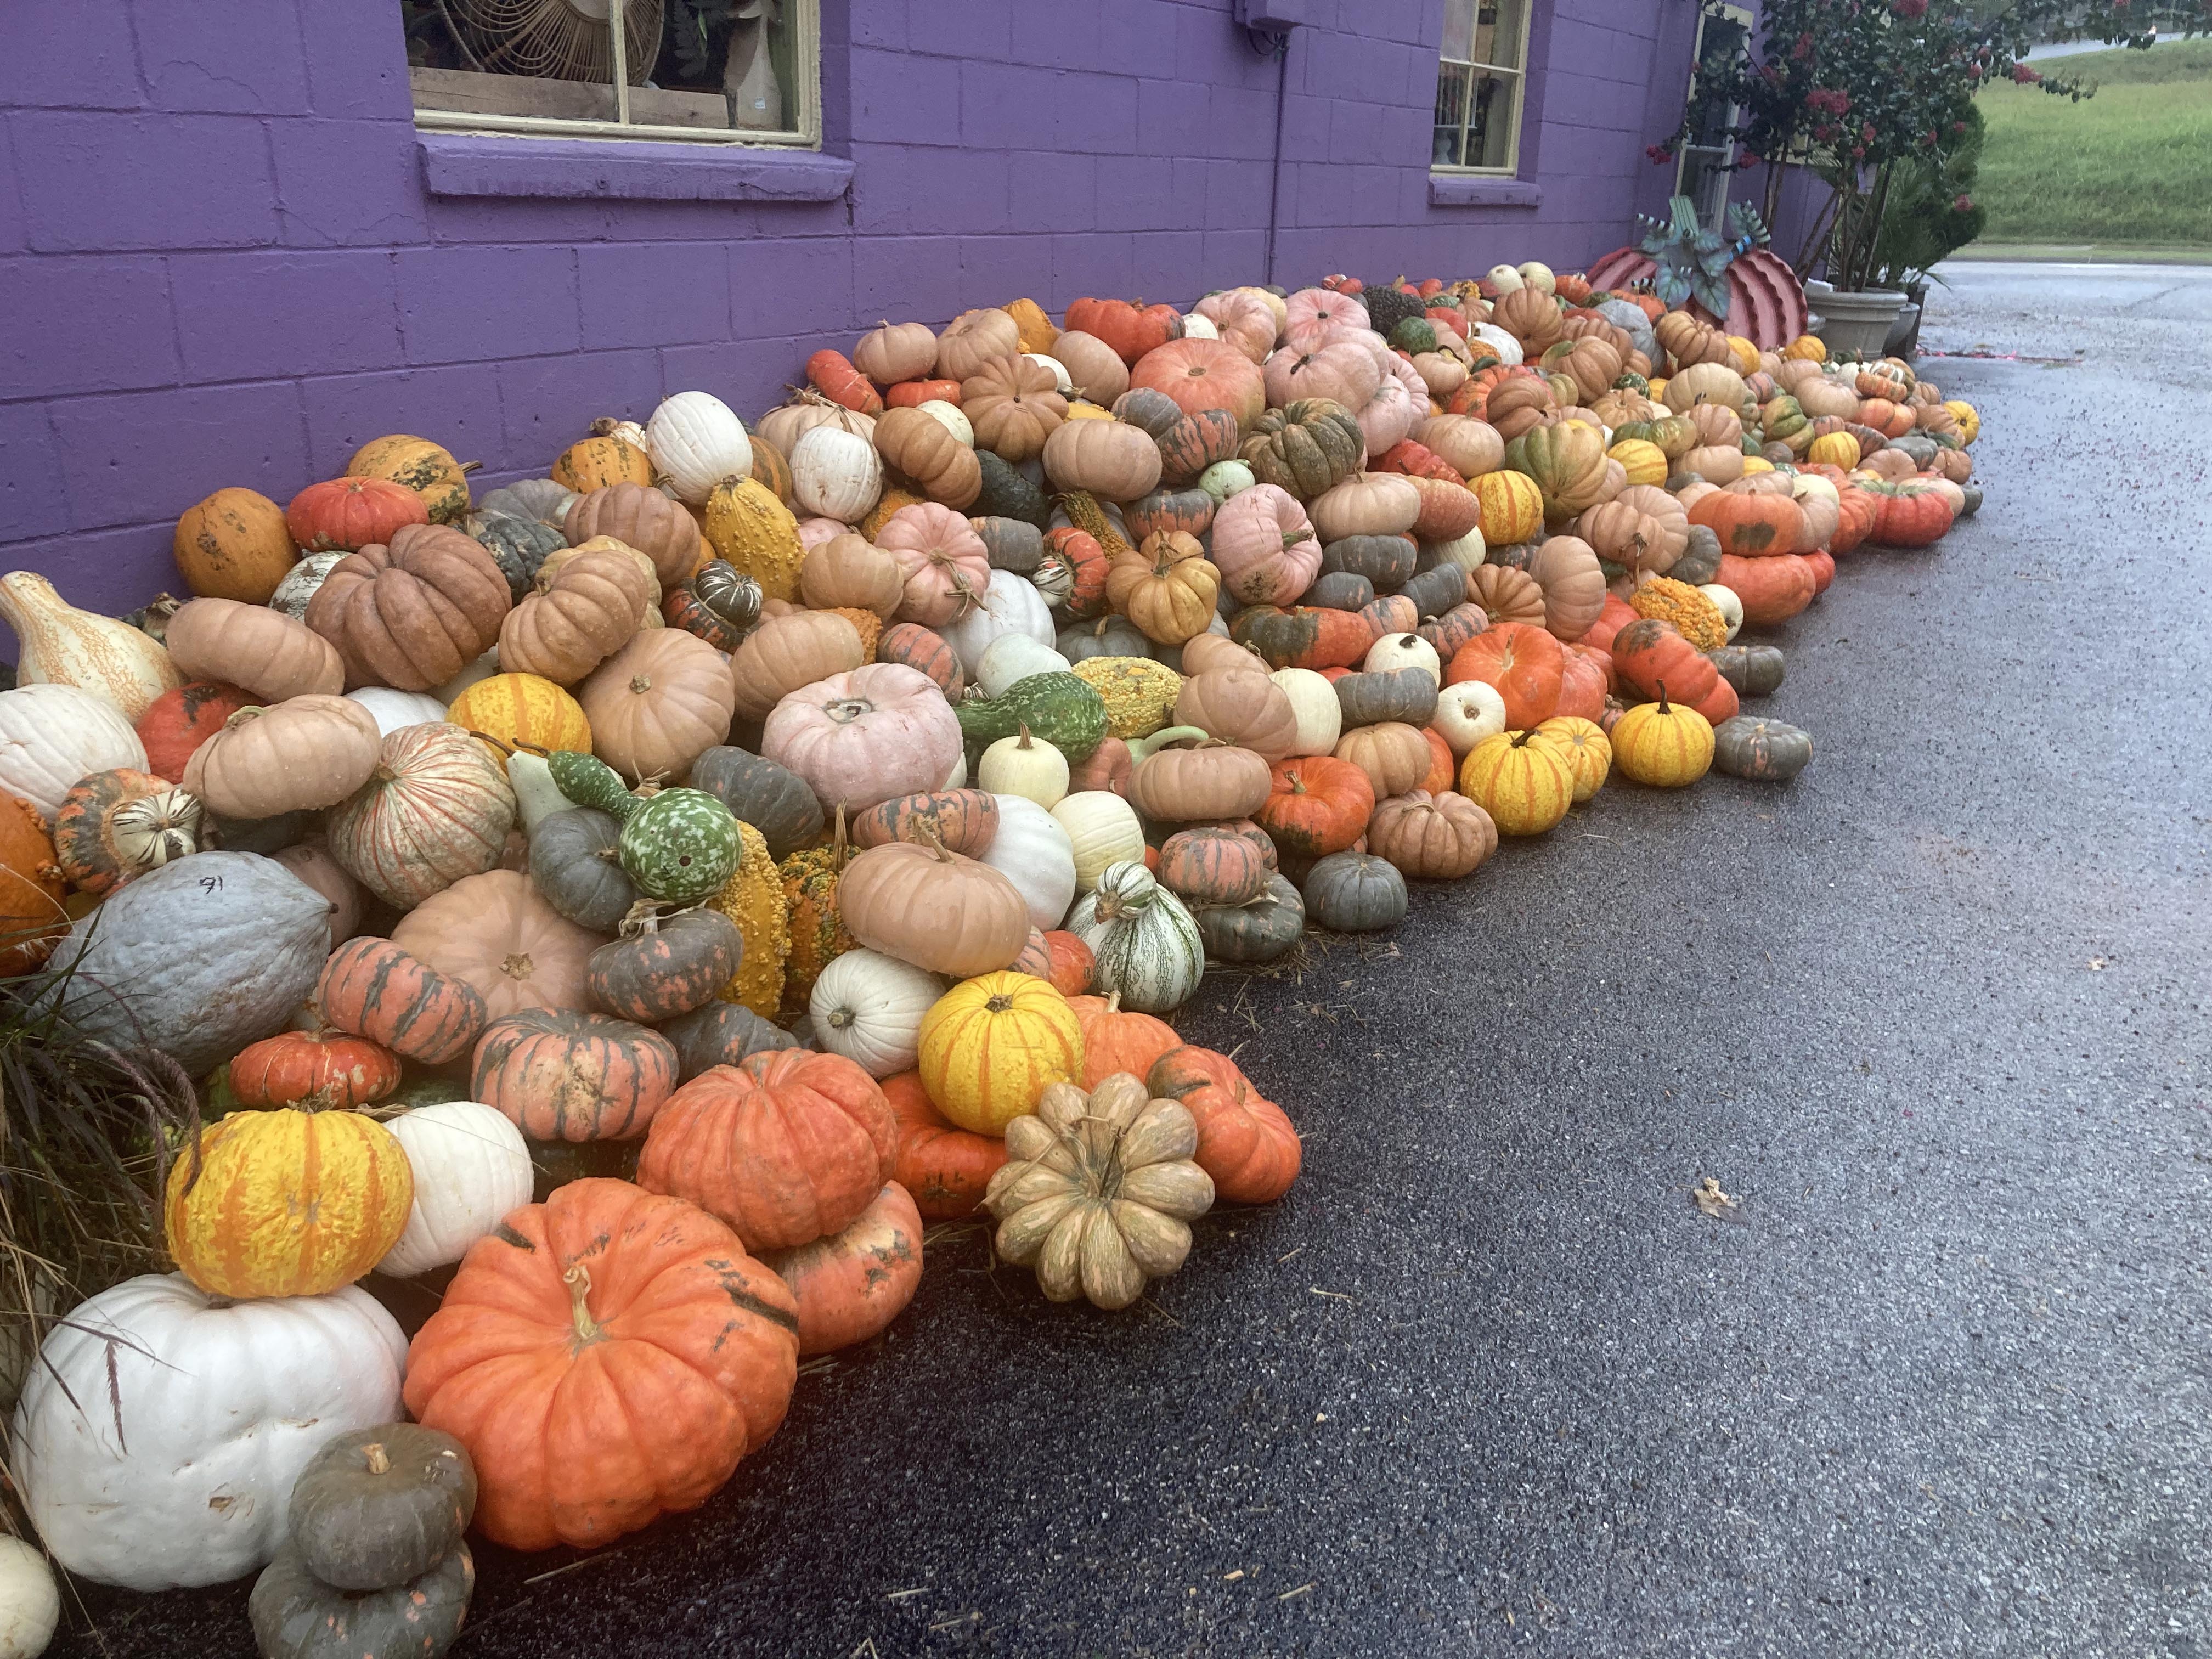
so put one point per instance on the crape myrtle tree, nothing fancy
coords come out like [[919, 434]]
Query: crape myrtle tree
[[1876, 96]]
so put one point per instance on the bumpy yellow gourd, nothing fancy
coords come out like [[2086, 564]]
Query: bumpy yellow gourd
[[1139, 693], [523, 711], [756, 534], [992, 1045], [1662, 744], [1696, 617], [754, 899], [287, 1203]]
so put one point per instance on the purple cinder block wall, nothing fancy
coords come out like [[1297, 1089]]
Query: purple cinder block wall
[[221, 260]]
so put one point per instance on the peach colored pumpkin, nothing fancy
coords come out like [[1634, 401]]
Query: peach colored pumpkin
[[495, 934], [786, 652], [943, 562], [1345, 372], [1265, 547], [658, 703], [861, 738], [1201, 374]]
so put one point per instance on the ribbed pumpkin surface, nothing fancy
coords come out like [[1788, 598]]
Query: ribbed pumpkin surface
[[523, 711], [437, 808], [992, 1043], [1521, 780]]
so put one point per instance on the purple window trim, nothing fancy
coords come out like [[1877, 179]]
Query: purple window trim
[[477, 164], [1477, 190]]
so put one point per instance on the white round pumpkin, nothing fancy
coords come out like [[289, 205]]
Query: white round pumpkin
[[951, 418], [1012, 658], [1469, 552], [1195, 327], [1032, 850], [1727, 603], [1493, 341], [471, 1167], [160, 1432], [30, 1600], [1102, 828], [53, 735], [836, 474], [697, 440], [1467, 713], [1226, 478], [1063, 382], [1025, 765], [1505, 278], [1320, 712], [868, 1007], [1395, 651], [395, 709], [1011, 605]]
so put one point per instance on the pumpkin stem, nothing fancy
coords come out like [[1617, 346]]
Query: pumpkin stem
[[643, 917], [1113, 1002], [504, 744], [577, 1278], [641, 683], [841, 849], [1025, 743], [253, 712], [927, 833], [374, 1456], [1663, 708]]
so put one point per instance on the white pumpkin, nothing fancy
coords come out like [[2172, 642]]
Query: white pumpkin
[[1102, 828], [1063, 382], [1537, 274], [1505, 278], [958, 777], [1469, 552], [836, 474], [471, 1166], [534, 792], [1395, 651], [951, 418], [1467, 713], [697, 440], [1025, 765], [1501, 345], [1727, 603], [1011, 605], [1032, 850], [30, 1600], [300, 582], [158, 1436], [1195, 327], [1225, 479], [395, 710], [53, 735], [1012, 658], [868, 1007], [1319, 711]]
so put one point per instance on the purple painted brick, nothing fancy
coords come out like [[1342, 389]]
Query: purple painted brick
[[143, 456], [1325, 195], [1243, 122], [1171, 119], [31, 500], [1059, 37], [897, 97], [651, 293], [1092, 265], [1058, 191], [908, 190], [463, 304], [83, 324], [548, 403], [456, 407], [879, 23], [106, 571], [95, 182], [1210, 48], [1094, 112], [1003, 105], [357, 61], [347, 184], [799, 286], [1190, 179], [960, 28], [914, 277], [1237, 194], [253, 65], [12, 227], [1306, 122], [78, 54], [1138, 193], [487, 219], [313, 313], [1170, 265], [1236, 256], [1131, 34], [749, 375], [996, 269]]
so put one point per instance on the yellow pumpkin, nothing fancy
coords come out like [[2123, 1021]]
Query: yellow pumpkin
[[1807, 348], [1512, 506], [597, 463], [1644, 461], [287, 1203], [1969, 418], [1036, 332], [991, 1045], [522, 711], [754, 899], [417, 464], [1662, 744], [889, 502], [1585, 748], [1077, 410], [1756, 463], [1835, 449], [1658, 392], [235, 545], [1521, 780], [1746, 355], [748, 526]]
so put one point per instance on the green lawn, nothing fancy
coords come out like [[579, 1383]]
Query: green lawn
[[2133, 164]]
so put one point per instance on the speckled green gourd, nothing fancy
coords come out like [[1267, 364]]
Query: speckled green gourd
[[680, 846], [1055, 706], [589, 782]]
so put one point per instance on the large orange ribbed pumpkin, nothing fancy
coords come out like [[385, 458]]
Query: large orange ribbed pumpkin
[[943, 1166], [786, 1148], [287, 1203], [1524, 663], [31, 888], [991, 1045], [606, 1357], [1117, 1041], [1245, 1141]]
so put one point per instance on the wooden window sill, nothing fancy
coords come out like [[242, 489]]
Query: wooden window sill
[[1482, 190], [479, 164]]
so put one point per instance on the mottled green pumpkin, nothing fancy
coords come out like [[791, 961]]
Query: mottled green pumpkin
[[1385, 561], [295, 1615], [1755, 671], [1007, 493], [664, 966], [589, 782], [378, 1506], [680, 846], [758, 792], [1767, 751], [1261, 930], [1701, 557], [720, 1033], [1351, 892], [575, 863], [518, 546]]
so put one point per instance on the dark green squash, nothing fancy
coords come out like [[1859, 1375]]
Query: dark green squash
[[1755, 671], [1386, 561], [1063, 710], [720, 604], [1701, 558], [1511, 555], [772, 799], [575, 863], [1767, 751], [1387, 694], [721, 1034], [376, 1507], [297, 1616], [518, 546], [1009, 494], [663, 966], [1436, 590], [263, 835], [589, 782], [1262, 931], [1151, 412], [1340, 589], [1350, 892], [1014, 544], [1190, 511]]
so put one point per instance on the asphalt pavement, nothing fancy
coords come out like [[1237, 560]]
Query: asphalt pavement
[[1489, 1380]]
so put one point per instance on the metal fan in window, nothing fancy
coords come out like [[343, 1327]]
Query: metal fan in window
[[554, 40]]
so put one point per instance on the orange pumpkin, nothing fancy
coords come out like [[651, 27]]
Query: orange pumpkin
[[32, 887], [318, 1071], [1131, 327], [1245, 1141], [1070, 959], [1652, 655], [1772, 590], [1116, 1042], [1526, 666], [853, 1283], [1318, 805], [606, 1357], [945, 1168], [1751, 526]]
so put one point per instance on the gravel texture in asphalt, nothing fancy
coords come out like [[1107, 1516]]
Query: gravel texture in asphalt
[[1489, 1380]]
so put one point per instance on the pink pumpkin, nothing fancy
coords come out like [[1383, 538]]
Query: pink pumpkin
[[944, 562], [1390, 416], [1265, 547], [1202, 374], [1317, 316], [861, 738], [1345, 371], [812, 533], [1246, 320]]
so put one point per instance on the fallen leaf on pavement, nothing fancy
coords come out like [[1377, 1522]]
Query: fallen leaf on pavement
[[1712, 1201]]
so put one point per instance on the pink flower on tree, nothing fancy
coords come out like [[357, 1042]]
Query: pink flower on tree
[[1909, 9], [1963, 204], [1829, 100], [2025, 76]]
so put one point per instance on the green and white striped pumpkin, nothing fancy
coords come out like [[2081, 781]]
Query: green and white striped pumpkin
[[1146, 943], [680, 846]]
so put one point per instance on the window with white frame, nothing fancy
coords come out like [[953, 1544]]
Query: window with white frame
[[705, 71], [1481, 78], [1707, 164]]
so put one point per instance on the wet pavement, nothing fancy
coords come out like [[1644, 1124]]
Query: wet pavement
[[1489, 1381]]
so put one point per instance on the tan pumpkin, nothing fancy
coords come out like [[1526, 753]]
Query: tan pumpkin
[[1566, 568], [786, 652], [308, 752], [1365, 504], [1167, 586], [1707, 382], [891, 352], [1014, 404], [412, 614], [1664, 510], [437, 808], [1111, 459], [639, 516], [1096, 369], [924, 448], [848, 571], [658, 703], [583, 612], [933, 909], [974, 338], [1243, 705], [268, 653], [1212, 781], [495, 934], [1395, 756], [1716, 464], [1506, 595], [1432, 837]]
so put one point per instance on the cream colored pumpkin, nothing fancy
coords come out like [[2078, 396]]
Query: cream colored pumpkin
[[1315, 707], [53, 735], [1024, 765], [30, 1600], [697, 440], [1102, 828], [1395, 651], [836, 474], [868, 1007], [1467, 713], [471, 1166]]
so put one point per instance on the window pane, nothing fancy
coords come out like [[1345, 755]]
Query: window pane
[[1459, 29], [745, 54], [1452, 82], [1705, 180], [1498, 33], [1491, 121]]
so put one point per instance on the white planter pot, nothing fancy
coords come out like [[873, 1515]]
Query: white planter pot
[[1854, 325]]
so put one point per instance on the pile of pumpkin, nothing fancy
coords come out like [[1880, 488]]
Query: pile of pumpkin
[[645, 896]]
